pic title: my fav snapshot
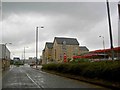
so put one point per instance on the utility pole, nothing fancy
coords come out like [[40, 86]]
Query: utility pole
[[24, 55], [103, 45], [110, 30], [36, 45]]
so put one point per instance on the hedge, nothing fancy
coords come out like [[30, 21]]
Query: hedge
[[107, 70]]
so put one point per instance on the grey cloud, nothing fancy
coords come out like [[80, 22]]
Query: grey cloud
[[56, 8], [80, 20]]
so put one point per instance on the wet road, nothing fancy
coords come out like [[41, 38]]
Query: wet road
[[26, 77]]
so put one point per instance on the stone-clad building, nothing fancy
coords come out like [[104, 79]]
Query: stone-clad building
[[47, 52], [54, 52], [83, 50]]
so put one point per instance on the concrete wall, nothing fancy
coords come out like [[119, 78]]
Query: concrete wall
[[4, 57], [1, 51], [5, 53]]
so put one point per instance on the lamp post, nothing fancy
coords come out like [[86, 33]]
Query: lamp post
[[110, 29], [24, 54], [37, 44], [103, 45]]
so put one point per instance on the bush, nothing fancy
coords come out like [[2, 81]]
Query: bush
[[80, 60], [18, 63], [108, 70]]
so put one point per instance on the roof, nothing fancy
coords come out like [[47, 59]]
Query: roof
[[49, 45], [106, 50], [68, 41], [84, 48]]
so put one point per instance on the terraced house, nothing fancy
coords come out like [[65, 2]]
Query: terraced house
[[47, 52], [54, 52], [83, 50]]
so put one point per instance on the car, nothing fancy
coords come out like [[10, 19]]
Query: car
[[16, 59], [32, 64]]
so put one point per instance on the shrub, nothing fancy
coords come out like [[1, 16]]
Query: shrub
[[108, 70]]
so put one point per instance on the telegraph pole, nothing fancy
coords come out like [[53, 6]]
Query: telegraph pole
[[110, 30], [36, 45]]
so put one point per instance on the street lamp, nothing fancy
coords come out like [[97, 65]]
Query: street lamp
[[103, 44], [110, 29], [37, 44], [24, 53]]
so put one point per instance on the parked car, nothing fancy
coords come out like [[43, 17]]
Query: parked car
[[16, 59], [32, 64]]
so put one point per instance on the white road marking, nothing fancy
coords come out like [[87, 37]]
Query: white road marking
[[11, 68], [33, 81]]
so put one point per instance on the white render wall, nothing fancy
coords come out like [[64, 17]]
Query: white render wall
[[4, 52]]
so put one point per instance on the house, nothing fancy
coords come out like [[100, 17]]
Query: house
[[54, 52], [67, 46], [83, 50], [47, 52]]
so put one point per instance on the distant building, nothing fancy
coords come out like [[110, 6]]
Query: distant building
[[31, 60]]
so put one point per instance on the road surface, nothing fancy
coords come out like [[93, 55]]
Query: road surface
[[27, 77]]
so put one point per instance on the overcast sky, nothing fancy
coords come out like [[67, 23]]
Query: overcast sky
[[85, 21]]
